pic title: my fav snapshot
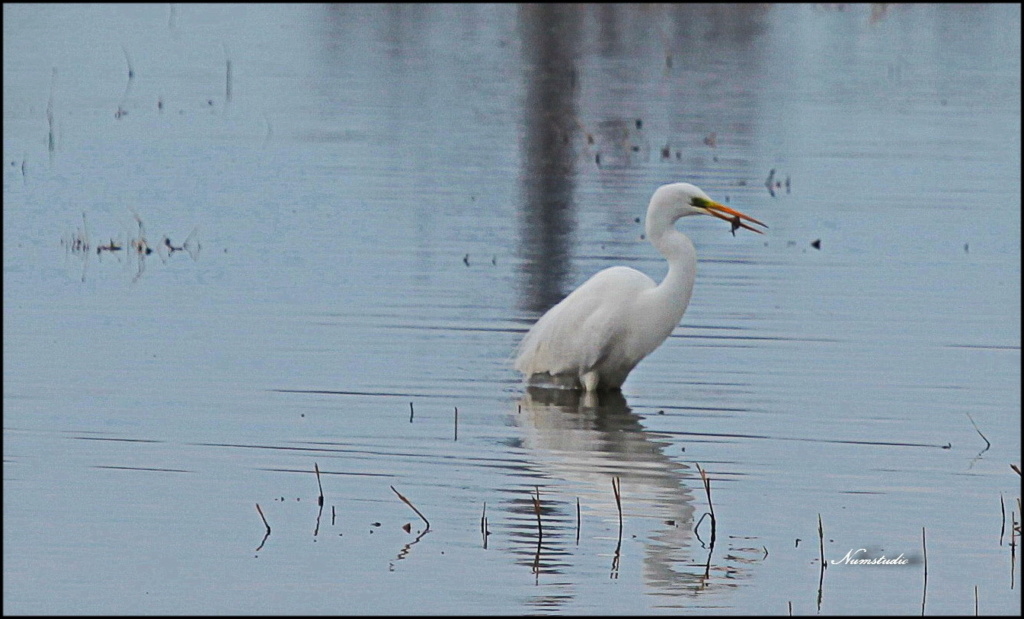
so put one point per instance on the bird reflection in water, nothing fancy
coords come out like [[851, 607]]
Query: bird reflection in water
[[578, 442]]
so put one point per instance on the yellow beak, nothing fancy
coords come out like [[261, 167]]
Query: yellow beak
[[733, 216]]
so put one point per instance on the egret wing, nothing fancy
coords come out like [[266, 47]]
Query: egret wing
[[582, 330]]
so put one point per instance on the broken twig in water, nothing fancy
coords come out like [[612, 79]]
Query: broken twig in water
[[987, 444], [407, 502], [263, 517], [266, 535]]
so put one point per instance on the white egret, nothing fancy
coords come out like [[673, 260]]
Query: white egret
[[595, 336]]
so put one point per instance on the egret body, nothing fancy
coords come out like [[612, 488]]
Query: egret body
[[594, 337]]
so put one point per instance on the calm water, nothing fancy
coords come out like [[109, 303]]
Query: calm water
[[365, 207]]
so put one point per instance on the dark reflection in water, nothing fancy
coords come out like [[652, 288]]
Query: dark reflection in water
[[579, 118], [580, 443], [550, 42], [736, 24]]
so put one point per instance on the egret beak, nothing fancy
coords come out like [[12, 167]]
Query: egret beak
[[733, 216]]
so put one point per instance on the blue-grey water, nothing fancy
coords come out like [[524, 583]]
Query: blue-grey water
[[355, 212]]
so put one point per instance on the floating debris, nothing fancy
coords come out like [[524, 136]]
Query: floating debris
[[191, 246], [141, 247], [112, 247], [138, 246]]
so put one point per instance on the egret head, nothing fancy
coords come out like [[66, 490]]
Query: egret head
[[682, 199]]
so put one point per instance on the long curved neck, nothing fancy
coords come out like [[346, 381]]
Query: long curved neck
[[672, 295]]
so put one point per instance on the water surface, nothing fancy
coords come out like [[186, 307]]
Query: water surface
[[378, 201]]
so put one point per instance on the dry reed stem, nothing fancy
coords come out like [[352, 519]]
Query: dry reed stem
[[821, 542], [263, 517], [924, 590], [707, 490], [617, 489], [407, 502], [579, 520], [1002, 525], [536, 510], [987, 444], [320, 499]]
